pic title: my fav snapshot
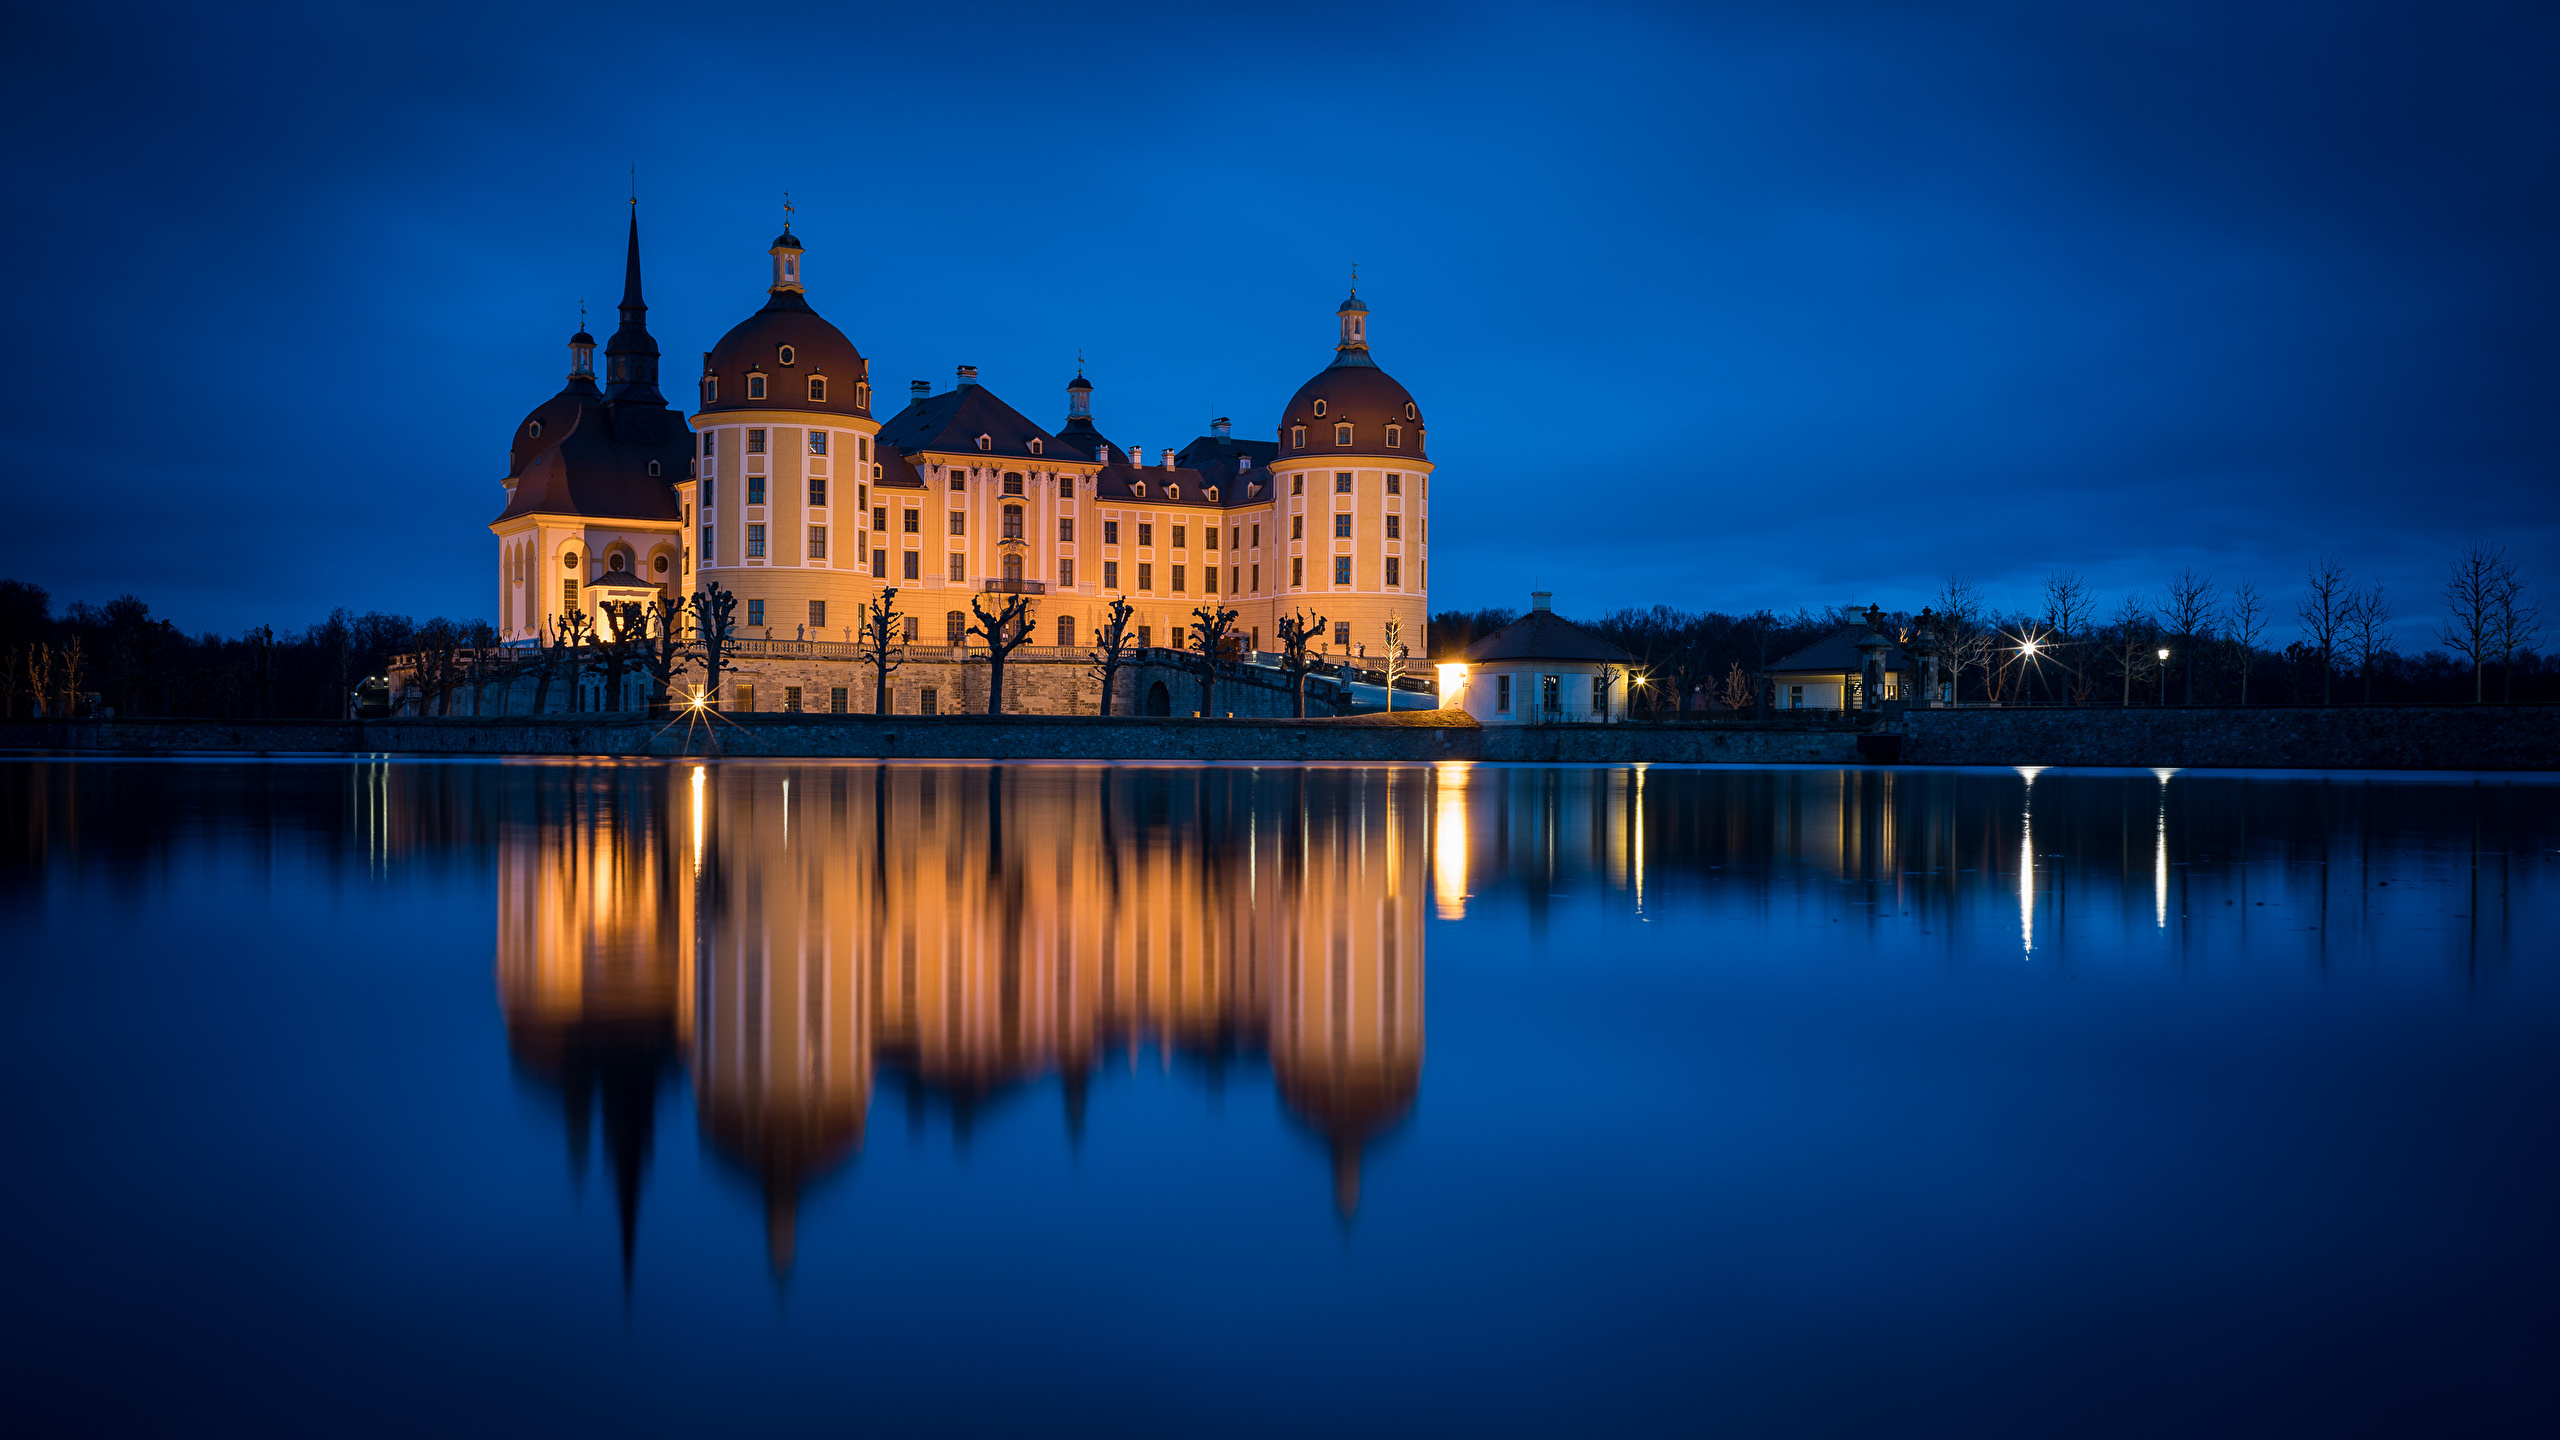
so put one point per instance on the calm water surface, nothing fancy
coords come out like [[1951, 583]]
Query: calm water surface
[[809, 1097]]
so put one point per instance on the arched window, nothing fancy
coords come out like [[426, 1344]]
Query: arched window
[[1173, 492], [986, 442], [1066, 629], [877, 471], [1035, 446], [755, 387], [955, 627], [786, 355], [1139, 489], [861, 395], [1213, 494], [817, 387], [653, 467]]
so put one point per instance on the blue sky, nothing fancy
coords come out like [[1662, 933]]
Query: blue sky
[[1714, 306]]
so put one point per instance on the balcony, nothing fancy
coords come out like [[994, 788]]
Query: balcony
[[1010, 586]]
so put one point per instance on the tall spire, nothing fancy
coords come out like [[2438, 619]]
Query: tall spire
[[631, 357]]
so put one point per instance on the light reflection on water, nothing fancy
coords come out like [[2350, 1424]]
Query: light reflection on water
[[1997, 1089]]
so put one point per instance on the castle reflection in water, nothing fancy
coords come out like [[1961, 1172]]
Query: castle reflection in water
[[786, 935]]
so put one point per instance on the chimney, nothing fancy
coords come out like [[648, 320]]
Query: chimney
[[1168, 457], [1223, 428], [1244, 462], [1138, 456], [1102, 454], [968, 374], [919, 390], [1541, 599]]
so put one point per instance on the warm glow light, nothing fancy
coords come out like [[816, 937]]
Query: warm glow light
[[1449, 837], [2160, 853], [2029, 648], [697, 819], [1453, 678], [2027, 864], [2164, 652]]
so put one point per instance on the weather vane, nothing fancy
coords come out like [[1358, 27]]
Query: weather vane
[[1355, 277], [786, 212]]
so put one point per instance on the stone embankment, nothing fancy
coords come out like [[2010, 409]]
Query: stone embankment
[[2465, 737]]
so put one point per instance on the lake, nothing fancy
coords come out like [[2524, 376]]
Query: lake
[[539, 1097]]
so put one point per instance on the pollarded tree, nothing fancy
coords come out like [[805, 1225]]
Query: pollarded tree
[[1005, 630], [1297, 633], [2472, 589], [1111, 647], [2368, 631], [2067, 611], [2244, 621], [666, 645], [881, 629], [715, 630], [1209, 640]]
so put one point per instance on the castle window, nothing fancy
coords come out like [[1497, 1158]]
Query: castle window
[[1066, 487], [1146, 534], [710, 442], [710, 389], [861, 396], [1067, 530], [913, 566], [1213, 494], [955, 627], [755, 387], [534, 429], [710, 491], [959, 522], [569, 560], [755, 489], [818, 620], [755, 541], [1342, 482], [959, 567], [986, 442], [1181, 537], [1146, 576], [1110, 532], [817, 387], [786, 354], [1341, 434], [1177, 580], [817, 440], [959, 479], [1013, 482], [1013, 522], [755, 442], [1395, 484], [755, 612], [1110, 574], [1035, 446], [659, 564], [1066, 623], [1342, 526], [1319, 407], [1408, 409], [617, 562], [914, 523], [1173, 492], [817, 542], [1297, 574], [1298, 437], [1395, 525], [818, 491], [1395, 571], [1139, 489], [568, 594], [862, 448], [1395, 437], [653, 467], [1341, 576]]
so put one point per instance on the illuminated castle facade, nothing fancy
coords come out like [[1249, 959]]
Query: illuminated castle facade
[[785, 490]]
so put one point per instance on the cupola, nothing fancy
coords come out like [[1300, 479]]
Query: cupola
[[786, 263], [582, 356]]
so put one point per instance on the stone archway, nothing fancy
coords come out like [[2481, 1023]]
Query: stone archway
[[1159, 699]]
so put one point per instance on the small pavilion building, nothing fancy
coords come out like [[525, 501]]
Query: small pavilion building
[[1540, 668], [1837, 671]]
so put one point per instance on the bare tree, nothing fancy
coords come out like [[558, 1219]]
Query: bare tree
[[880, 643], [2368, 631], [2472, 591], [1210, 639], [1961, 610], [1111, 647], [621, 635], [715, 631], [2323, 612], [2245, 619], [1738, 689], [2067, 612], [1297, 633], [437, 660], [2133, 642], [1005, 630], [2514, 624], [1396, 657], [486, 662], [2189, 615]]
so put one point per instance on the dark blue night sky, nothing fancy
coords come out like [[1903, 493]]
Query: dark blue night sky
[[1717, 306]]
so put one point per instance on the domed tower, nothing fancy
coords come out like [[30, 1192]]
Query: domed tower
[[1355, 480], [591, 502], [781, 500], [1079, 433]]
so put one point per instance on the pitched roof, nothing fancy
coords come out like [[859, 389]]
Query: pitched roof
[[953, 420], [1119, 481], [1837, 654], [1220, 460], [1545, 635]]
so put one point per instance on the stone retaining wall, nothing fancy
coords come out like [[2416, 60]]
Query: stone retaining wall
[[2464, 737]]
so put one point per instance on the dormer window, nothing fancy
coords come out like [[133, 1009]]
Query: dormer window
[[1213, 496], [755, 385], [1341, 434], [1244, 462], [533, 429], [1395, 436], [1173, 492], [1319, 407], [1035, 446], [653, 467], [1297, 437], [878, 471], [986, 442], [861, 395], [710, 389], [818, 387], [1139, 489], [787, 354]]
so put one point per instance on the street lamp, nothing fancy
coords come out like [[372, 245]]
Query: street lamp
[[2164, 674]]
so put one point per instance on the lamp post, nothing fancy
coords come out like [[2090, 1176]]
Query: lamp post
[[2164, 674]]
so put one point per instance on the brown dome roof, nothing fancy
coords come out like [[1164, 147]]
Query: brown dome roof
[[817, 348], [1357, 393]]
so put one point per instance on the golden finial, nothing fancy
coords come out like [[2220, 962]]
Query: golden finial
[[1355, 277], [787, 212]]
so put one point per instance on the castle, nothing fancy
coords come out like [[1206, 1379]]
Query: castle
[[785, 491]]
